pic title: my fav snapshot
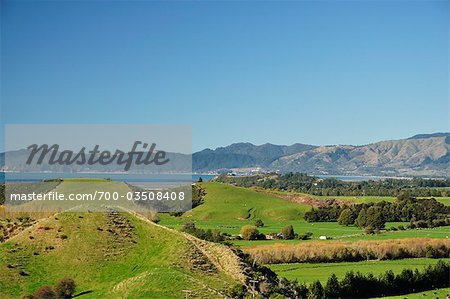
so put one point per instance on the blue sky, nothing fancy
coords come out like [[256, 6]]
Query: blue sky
[[322, 72]]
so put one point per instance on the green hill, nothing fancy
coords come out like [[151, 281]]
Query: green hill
[[226, 202], [114, 255]]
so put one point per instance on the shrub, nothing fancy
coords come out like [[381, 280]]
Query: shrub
[[45, 292], [305, 236], [259, 223], [65, 288], [238, 291], [188, 227], [288, 232], [249, 232]]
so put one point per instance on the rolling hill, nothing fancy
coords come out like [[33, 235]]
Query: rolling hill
[[115, 255]]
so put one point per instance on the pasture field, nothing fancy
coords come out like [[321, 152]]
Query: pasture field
[[226, 202], [434, 294], [227, 208], [310, 272]]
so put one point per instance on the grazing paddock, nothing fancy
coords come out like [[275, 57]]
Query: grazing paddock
[[310, 272]]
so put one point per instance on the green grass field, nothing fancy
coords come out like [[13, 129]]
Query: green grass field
[[434, 294], [309, 272], [228, 208], [225, 202]]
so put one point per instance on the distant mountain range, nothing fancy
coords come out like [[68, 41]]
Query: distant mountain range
[[420, 155]]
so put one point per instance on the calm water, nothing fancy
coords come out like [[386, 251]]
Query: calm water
[[30, 177], [122, 177]]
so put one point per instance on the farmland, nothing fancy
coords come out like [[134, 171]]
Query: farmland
[[228, 208], [148, 257], [310, 272]]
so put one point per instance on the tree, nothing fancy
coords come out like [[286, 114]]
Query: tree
[[249, 232], [259, 223], [65, 288], [288, 232], [332, 288], [361, 220], [375, 218], [316, 291], [45, 292], [346, 217]]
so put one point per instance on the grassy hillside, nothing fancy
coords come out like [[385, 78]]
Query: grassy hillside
[[225, 202], [137, 260], [228, 208], [110, 255], [309, 272]]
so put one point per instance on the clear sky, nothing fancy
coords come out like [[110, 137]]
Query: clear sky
[[317, 72]]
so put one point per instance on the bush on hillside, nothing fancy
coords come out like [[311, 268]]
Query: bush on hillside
[[45, 292], [259, 223], [238, 291], [65, 288]]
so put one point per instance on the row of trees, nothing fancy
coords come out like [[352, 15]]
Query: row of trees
[[373, 216], [301, 182], [355, 285], [212, 235]]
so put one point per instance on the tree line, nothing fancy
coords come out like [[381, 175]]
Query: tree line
[[373, 216], [352, 285], [301, 182]]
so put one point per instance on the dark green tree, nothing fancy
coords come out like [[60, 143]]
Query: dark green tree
[[346, 217], [316, 291], [332, 288]]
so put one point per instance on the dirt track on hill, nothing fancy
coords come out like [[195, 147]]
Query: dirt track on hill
[[222, 257]]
